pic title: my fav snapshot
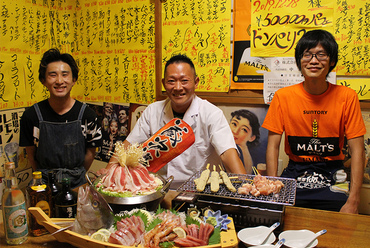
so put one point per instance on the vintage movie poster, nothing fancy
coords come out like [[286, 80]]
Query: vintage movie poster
[[250, 138], [114, 121]]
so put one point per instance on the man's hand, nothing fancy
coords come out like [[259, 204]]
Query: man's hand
[[349, 208]]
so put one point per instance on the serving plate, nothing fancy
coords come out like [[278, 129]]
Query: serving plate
[[228, 238]]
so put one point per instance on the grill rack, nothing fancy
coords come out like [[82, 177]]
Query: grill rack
[[285, 197]]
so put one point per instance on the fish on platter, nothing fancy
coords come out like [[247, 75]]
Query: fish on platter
[[93, 212]]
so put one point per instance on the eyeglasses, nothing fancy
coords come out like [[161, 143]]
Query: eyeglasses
[[306, 57]]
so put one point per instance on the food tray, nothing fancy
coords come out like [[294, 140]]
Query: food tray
[[285, 197], [228, 238]]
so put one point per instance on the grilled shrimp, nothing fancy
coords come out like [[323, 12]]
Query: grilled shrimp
[[169, 237], [149, 235], [166, 230]]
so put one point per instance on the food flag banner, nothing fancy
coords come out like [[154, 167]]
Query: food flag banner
[[167, 143]]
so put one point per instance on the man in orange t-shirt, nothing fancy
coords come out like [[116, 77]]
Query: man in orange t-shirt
[[316, 116]]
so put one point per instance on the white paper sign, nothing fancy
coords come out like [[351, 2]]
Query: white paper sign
[[275, 80]]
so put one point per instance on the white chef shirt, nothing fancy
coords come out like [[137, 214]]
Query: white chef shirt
[[213, 136]]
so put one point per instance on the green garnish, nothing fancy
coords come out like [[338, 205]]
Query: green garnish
[[152, 224], [166, 244], [215, 237], [189, 220], [142, 215], [212, 221]]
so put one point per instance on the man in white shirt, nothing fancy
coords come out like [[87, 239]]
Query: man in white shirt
[[214, 142]]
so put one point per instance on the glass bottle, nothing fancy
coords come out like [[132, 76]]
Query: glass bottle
[[55, 189], [14, 208], [39, 195], [66, 201]]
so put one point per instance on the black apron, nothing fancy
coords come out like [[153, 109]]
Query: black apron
[[62, 148], [315, 183]]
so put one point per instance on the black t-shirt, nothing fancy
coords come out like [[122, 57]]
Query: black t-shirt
[[90, 126]]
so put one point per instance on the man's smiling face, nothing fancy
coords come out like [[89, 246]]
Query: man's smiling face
[[59, 79], [315, 68], [180, 83]]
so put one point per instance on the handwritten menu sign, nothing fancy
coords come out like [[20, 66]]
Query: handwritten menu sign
[[361, 86], [352, 32], [278, 25], [9, 136], [112, 41], [201, 30]]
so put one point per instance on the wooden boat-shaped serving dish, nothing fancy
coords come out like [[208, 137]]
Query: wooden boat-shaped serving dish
[[228, 238]]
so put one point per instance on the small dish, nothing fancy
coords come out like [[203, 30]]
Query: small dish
[[295, 238], [217, 219], [247, 235]]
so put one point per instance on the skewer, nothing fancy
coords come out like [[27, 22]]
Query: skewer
[[226, 180], [177, 210], [202, 180], [255, 170]]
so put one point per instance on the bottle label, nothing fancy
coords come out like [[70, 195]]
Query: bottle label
[[16, 220], [66, 211], [44, 205], [41, 187]]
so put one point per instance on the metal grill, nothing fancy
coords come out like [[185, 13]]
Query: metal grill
[[285, 197]]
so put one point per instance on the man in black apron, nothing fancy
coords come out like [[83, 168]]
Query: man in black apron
[[60, 133]]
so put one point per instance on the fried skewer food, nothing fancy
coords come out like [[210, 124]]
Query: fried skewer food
[[202, 180], [226, 180], [214, 179]]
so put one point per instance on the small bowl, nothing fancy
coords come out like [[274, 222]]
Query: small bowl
[[247, 235], [221, 220], [263, 246], [295, 238]]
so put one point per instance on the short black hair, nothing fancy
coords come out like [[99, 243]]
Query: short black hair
[[179, 58], [253, 121], [54, 55], [311, 39]]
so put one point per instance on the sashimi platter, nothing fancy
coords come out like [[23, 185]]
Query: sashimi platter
[[95, 227]]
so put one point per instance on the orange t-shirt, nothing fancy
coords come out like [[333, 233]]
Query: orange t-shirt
[[315, 125]]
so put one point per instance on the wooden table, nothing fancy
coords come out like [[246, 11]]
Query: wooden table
[[344, 230]]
